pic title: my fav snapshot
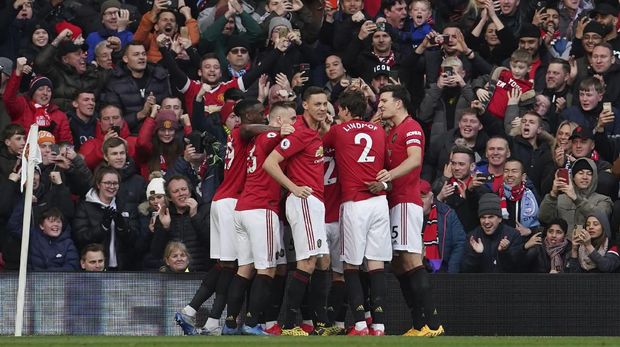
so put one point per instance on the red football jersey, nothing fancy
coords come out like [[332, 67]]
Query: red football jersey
[[213, 97], [407, 134], [505, 83], [360, 155], [331, 186], [234, 167], [304, 151], [260, 190]]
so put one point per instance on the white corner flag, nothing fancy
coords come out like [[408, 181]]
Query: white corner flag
[[31, 156], [31, 153]]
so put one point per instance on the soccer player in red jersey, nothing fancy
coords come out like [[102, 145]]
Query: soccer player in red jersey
[[222, 232], [305, 210], [257, 225], [360, 155], [405, 152]]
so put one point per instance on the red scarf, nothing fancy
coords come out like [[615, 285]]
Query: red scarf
[[41, 117], [430, 236], [462, 185], [389, 60], [516, 192]]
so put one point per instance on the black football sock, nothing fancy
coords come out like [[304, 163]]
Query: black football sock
[[319, 291], [236, 294], [259, 299], [422, 291], [336, 297], [355, 294], [221, 292], [378, 290], [275, 301], [207, 287], [365, 281], [294, 296]]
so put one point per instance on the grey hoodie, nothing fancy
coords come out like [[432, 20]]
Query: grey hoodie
[[575, 212]]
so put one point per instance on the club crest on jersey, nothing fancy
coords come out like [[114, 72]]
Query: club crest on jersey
[[271, 135], [285, 144], [319, 243], [319, 152]]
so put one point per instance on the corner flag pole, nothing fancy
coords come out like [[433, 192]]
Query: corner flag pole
[[31, 157]]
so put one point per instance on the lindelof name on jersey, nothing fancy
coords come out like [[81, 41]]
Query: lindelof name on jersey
[[352, 126]]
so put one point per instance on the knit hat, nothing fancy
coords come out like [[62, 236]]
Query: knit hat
[[580, 165], [76, 30], [605, 9], [489, 203], [110, 3], [582, 133], [381, 69], [6, 66], [226, 110], [596, 27], [166, 119], [38, 82], [45, 136], [237, 41], [529, 30], [155, 187], [279, 21], [67, 47], [424, 187]]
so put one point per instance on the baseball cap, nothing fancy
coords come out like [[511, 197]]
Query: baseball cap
[[424, 187], [582, 133], [604, 9], [381, 69]]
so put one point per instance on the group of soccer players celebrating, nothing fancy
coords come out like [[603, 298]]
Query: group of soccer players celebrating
[[350, 203]]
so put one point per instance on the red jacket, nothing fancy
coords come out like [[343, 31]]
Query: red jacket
[[144, 146], [22, 111], [92, 150]]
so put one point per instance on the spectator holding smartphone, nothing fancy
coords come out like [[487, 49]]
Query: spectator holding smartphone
[[548, 252], [593, 249]]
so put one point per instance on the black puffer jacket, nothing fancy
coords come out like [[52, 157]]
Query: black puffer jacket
[[7, 161], [123, 90], [133, 187], [193, 232], [87, 229]]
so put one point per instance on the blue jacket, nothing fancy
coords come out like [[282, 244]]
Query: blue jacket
[[94, 38], [46, 253], [451, 238]]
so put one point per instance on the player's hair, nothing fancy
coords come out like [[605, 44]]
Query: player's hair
[[354, 101], [92, 247], [565, 65], [174, 245], [521, 56], [111, 143], [592, 82], [178, 177], [102, 171], [464, 150], [241, 108], [515, 160], [52, 212], [11, 130], [282, 104], [312, 91], [399, 92]]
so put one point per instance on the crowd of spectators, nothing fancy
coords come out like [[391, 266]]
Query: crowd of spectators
[[135, 100]]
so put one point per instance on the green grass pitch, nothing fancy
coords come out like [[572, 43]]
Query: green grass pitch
[[339, 341]]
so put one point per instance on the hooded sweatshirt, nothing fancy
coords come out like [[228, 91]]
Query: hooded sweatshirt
[[604, 257], [92, 196], [575, 212]]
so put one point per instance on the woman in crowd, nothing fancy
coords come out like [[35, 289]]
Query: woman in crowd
[[101, 217], [548, 252], [593, 250], [176, 258]]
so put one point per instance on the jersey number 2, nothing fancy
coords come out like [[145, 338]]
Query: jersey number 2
[[364, 157]]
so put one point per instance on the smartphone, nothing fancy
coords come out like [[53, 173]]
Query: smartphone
[[563, 173], [381, 26], [607, 107], [195, 139], [449, 70], [116, 129], [172, 4], [303, 67], [487, 177], [55, 149], [184, 32], [283, 33]]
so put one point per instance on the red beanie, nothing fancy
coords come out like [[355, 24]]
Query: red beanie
[[76, 30], [226, 110]]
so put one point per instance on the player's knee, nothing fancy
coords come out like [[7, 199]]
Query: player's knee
[[271, 272], [337, 277], [307, 265], [246, 271], [323, 263]]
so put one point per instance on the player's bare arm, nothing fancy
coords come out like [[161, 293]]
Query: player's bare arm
[[414, 160], [272, 167]]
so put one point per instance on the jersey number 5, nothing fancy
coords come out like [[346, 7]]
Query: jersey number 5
[[364, 157]]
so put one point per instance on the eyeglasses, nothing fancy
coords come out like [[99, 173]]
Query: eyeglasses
[[111, 13], [238, 51], [110, 184]]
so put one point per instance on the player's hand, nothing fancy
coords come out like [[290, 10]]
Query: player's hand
[[375, 187], [503, 244], [286, 129], [384, 176], [302, 192]]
